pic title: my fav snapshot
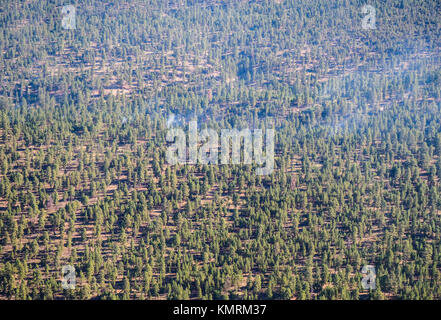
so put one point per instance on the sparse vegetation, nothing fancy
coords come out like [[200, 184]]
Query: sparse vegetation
[[83, 175]]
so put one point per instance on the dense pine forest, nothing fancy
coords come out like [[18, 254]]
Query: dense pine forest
[[84, 181]]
